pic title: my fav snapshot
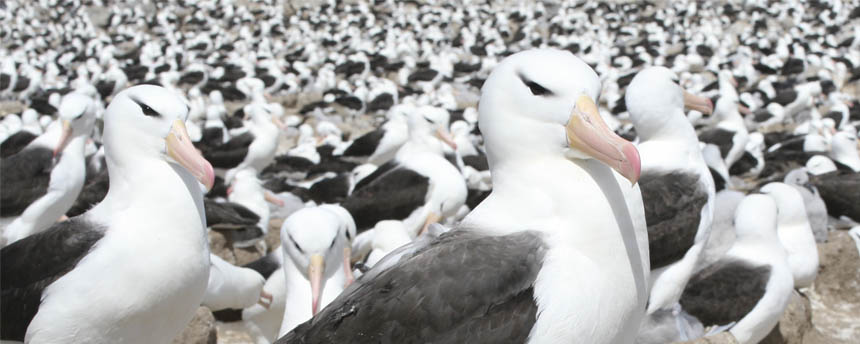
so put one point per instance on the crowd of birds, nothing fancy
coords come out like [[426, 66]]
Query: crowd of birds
[[486, 172]]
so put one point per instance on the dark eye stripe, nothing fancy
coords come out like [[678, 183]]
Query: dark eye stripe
[[147, 111], [534, 87], [296, 244]]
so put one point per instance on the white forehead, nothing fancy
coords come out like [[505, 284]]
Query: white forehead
[[168, 104], [557, 70], [313, 226]]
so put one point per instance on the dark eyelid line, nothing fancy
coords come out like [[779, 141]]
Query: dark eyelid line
[[535, 88], [295, 244], [147, 110]]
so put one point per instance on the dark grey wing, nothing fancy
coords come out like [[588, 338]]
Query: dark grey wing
[[32, 264], [719, 137], [228, 215], [785, 97], [330, 190], [746, 163], [725, 292], [15, 143], [382, 102], [93, 193], [226, 158], [378, 172], [839, 190], [461, 288], [392, 196], [673, 208], [365, 145], [231, 153], [478, 162], [266, 265], [24, 178]]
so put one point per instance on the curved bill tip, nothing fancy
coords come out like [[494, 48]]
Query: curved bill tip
[[315, 276], [65, 137], [698, 103], [180, 149], [588, 133]]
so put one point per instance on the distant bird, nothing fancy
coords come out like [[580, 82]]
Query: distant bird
[[746, 290], [730, 133], [380, 145], [419, 186], [25, 176], [154, 194], [313, 241], [65, 177], [794, 233], [677, 188], [264, 128], [231, 286]]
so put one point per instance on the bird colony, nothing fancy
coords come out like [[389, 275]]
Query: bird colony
[[427, 171]]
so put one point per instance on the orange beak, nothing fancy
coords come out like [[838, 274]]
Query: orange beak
[[587, 132], [698, 103], [65, 137], [315, 273], [446, 137], [180, 149]]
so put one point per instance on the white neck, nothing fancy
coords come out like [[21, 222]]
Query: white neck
[[157, 192]]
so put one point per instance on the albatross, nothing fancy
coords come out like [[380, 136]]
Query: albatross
[[145, 244], [677, 187], [557, 213]]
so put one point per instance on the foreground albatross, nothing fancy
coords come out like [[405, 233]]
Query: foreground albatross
[[134, 268], [557, 214]]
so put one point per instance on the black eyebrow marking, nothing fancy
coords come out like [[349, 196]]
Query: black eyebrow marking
[[534, 87], [295, 243], [147, 111]]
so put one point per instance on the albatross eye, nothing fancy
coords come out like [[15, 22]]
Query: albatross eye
[[537, 89], [148, 111], [296, 244]]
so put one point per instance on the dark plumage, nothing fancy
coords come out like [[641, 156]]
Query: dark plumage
[[365, 145], [390, 192], [228, 215], [724, 292], [673, 208], [15, 143], [838, 189], [483, 285], [425, 74], [229, 154], [720, 137], [25, 177], [382, 102], [93, 192], [330, 190], [32, 264]]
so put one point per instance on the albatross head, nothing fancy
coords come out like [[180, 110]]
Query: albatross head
[[789, 202], [542, 102], [149, 121], [654, 97], [77, 115], [314, 240]]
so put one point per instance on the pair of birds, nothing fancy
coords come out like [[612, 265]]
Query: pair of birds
[[562, 208]]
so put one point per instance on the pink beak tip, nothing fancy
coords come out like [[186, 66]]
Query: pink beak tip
[[634, 168]]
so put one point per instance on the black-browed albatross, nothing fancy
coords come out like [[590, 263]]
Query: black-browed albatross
[[677, 187], [134, 268], [557, 215]]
